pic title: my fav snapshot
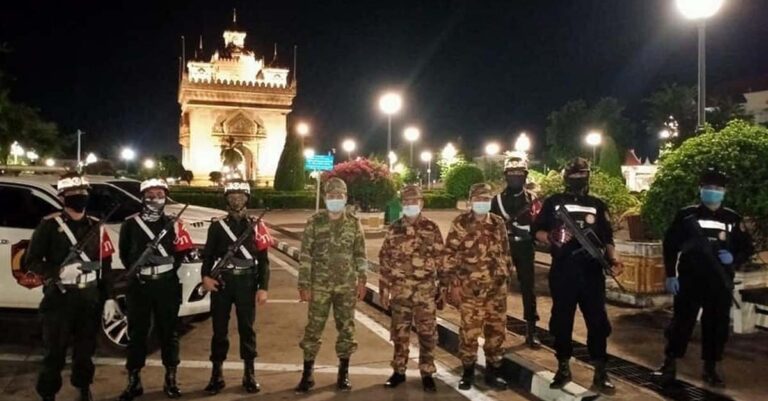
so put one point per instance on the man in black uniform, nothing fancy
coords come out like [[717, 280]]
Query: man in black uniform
[[74, 312], [700, 281], [576, 279], [518, 207], [156, 291], [243, 283]]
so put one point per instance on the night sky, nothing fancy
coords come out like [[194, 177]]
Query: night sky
[[479, 70]]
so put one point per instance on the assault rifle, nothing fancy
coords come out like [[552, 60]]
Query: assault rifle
[[588, 240], [222, 264]]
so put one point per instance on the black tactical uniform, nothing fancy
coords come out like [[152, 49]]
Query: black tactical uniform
[[518, 207], [75, 314]]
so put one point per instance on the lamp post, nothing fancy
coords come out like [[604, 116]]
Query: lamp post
[[349, 146], [700, 11], [127, 155], [412, 135], [594, 139], [149, 164], [309, 153], [390, 103], [79, 134], [302, 129], [49, 162], [16, 151], [426, 157]]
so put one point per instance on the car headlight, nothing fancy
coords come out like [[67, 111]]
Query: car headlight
[[197, 294], [195, 255]]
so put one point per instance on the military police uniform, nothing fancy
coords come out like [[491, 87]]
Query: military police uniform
[[332, 266], [76, 311], [694, 279], [477, 260], [410, 263], [519, 207], [154, 295], [247, 274]]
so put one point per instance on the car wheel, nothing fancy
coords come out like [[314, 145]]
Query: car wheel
[[115, 331]]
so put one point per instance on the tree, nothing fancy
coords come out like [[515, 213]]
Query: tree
[[290, 169], [461, 178], [19, 122], [725, 109], [610, 160], [677, 102], [169, 166]]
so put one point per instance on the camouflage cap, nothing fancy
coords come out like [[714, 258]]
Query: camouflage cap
[[515, 163], [335, 185], [480, 189], [575, 166], [411, 192]]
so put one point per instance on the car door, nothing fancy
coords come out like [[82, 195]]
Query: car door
[[21, 209]]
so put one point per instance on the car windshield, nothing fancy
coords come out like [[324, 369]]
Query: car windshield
[[104, 197]]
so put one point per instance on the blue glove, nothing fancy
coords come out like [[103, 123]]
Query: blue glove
[[673, 285], [726, 257]]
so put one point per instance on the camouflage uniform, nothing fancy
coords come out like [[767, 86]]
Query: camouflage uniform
[[410, 262], [477, 259], [332, 262]]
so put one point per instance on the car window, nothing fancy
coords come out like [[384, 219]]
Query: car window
[[103, 198], [22, 207]]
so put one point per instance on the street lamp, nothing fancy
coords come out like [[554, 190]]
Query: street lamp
[[449, 153], [149, 164], [492, 149], [426, 157], [523, 143], [16, 152], [349, 146], [390, 103], [700, 10], [32, 156], [392, 157], [50, 162], [79, 134], [594, 139], [302, 129], [412, 135], [127, 154], [90, 159], [309, 153]]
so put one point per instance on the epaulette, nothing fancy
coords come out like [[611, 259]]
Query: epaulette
[[215, 219], [52, 215]]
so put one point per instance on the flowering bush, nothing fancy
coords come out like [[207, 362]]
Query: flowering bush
[[369, 183]]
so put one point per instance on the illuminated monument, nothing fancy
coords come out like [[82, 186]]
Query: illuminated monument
[[233, 102]]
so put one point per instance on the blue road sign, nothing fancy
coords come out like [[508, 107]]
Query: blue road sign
[[319, 163]]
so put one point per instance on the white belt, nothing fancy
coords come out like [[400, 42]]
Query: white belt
[[82, 278], [235, 267], [526, 228], [154, 270]]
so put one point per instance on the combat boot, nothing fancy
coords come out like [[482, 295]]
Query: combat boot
[[342, 380], [395, 380], [531, 338], [666, 374], [601, 382], [48, 398], [85, 394], [249, 377], [468, 377], [134, 387], [563, 374], [307, 381], [170, 387], [710, 376], [428, 384], [216, 384], [492, 378]]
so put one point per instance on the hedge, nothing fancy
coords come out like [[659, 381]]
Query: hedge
[[439, 200], [259, 199]]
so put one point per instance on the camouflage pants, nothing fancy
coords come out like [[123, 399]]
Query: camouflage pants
[[483, 313], [343, 302], [414, 307]]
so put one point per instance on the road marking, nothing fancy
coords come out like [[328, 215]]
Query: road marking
[[443, 373]]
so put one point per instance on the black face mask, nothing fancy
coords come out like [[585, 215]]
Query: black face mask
[[576, 185], [76, 202], [515, 182]]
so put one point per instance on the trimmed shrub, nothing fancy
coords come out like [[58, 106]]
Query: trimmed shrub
[[369, 183], [460, 178], [290, 168], [439, 200]]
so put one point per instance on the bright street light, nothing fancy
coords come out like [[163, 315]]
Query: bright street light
[[309, 153], [50, 162], [149, 164], [426, 157], [594, 139], [91, 158], [449, 153], [665, 134], [32, 156], [523, 143], [349, 146], [127, 154], [16, 152], [390, 103], [302, 128], [699, 9], [392, 157], [411, 135], [492, 149]]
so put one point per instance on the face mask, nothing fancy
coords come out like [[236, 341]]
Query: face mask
[[481, 207], [335, 205], [576, 185], [711, 197], [76, 202], [411, 210], [237, 204], [515, 183], [154, 204]]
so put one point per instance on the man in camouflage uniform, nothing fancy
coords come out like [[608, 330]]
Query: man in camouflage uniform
[[410, 260], [477, 264], [518, 207], [331, 274]]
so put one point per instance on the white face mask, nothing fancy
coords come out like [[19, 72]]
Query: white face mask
[[481, 207], [335, 205], [411, 210]]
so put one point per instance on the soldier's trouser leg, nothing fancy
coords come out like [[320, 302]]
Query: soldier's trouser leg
[[317, 315], [221, 305], [86, 327], [523, 257], [166, 303], [245, 309], [592, 306], [400, 332], [715, 321], [565, 291], [57, 326], [472, 318], [424, 316], [495, 325], [344, 314], [686, 309], [139, 301]]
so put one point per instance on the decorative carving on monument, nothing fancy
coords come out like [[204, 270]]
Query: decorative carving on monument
[[240, 125]]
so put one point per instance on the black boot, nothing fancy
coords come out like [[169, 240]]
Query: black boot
[[249, 378], [468, 377], [666, 374], [85, 394], [170, 387], [710, 376], [531, 339], [342, 380], [216, 384], [134, 387], [395, 380], [601, 382], [307, 381], [492, 378], [563, 374], [428, 384], [48, 397]]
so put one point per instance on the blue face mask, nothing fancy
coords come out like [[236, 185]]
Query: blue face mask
[[411, 210], [711, 196], [481, 207], [335, 205]]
